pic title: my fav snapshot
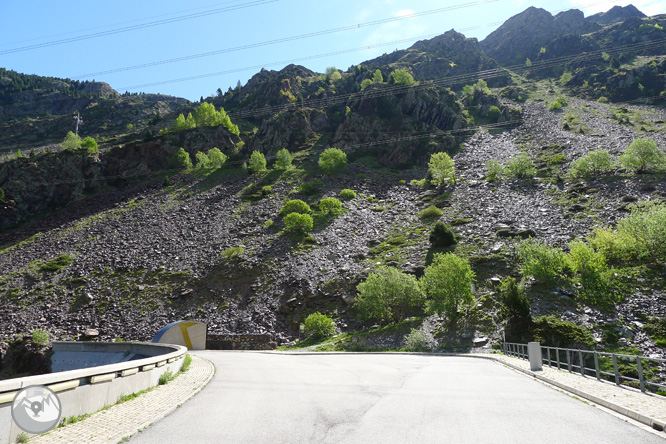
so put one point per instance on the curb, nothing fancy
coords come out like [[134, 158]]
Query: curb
[[169, 411], [643, 419]]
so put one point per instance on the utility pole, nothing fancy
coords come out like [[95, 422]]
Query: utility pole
[[79, 121]]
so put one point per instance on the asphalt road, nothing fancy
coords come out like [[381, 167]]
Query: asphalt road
[[381, 398]]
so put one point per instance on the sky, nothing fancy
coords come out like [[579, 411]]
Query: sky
[[223, 42]]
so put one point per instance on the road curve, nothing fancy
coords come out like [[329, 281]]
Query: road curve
[[381, 398]]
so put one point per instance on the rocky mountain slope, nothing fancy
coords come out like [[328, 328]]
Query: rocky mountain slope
[[128, 240]]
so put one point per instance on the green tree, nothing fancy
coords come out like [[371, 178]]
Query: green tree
[[643, 156], [494, 170], [494, 113], [377, 77], [257, 163], [179, 124], [330, 205], [190, 122], [318, 326], [447, 284], [538, 260], [521, 167], [516, 310], [217, 158], [90, 145], [202, 160], [206, 115], [183, 159], [332, 160], [298, 223], [401, 77], [441, 169], [594, 163], [528, 62], [388, 295], [365, 83], [283, 159], [442, 236], [72, 142], [333, 74]]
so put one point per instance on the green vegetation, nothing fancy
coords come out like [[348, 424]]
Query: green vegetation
[[419, 340], [643, 156], [447, 284], [233, 253], [432, 212], [40, 338], [521, 167], [214, 159], [441, 169], [257, 162], [554, 332], [346, 194], [187, 362], [494, 113], [310, 188], [516, 310], [593, 164], [166, 377], [205, 115], [318, 326], [182, 159], [442, 236], [298, 223], [283, 159], [388, 295], [541, 262], [201, 159], [295, 206], [401, 77], [58, 263], [2, 195], [332, 160], [90, 145], [495, 170], [558, 104], [330, 205], [72, 142]]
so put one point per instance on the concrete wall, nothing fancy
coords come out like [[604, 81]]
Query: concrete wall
[[87, 390], [239, 342]]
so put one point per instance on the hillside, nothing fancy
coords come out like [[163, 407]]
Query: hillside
[[129, 238]]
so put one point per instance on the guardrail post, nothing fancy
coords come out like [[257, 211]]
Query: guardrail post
[[557, 355], [534, 353], [617, 375], [568, 359], [582, 363], [639, 364], [596, 366]]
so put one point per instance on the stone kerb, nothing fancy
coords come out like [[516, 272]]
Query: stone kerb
[[87, 390]]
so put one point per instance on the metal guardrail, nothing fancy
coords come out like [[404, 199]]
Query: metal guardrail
[[626, 368]]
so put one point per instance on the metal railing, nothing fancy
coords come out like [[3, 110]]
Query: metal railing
[[629, 370]]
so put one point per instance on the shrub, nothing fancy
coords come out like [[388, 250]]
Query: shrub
[[266, 190], [187, 362], [295, 206], [166, 377], [593, 163], [643, 156], [555, 106], [2, 195], [494, 170], [59, 262], [216, 157], [538, 260], [521, 167], [72, 142], [90, 145], [182, 159], [401, 77], [516, 309], [40, 338], [348, 194], [332, 160], [202, 160], [298, 223], [447, 284], [283, 159], [318, 326], [330, 205], [442, 236], [590, 273], [432, 212], [310, 188], [420, 340], [656, 328], [441, 169], [365, 83], [269, 223], [494, 113], [233, 253], [257, 162], [646, 227], [554, 332], [602, 100], [388, 295]]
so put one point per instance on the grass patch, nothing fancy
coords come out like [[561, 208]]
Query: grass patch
[[58, 263], [432, 212]]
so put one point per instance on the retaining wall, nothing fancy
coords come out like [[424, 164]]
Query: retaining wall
[[87, 390], [239, 342]]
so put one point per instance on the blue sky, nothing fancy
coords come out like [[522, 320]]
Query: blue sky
[[244, 23]]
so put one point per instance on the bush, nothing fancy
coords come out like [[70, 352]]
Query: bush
[[330, 205], [432, 212], [447, 284], [187, 362], [602, 100], [656, 328], [643, 156], [593, 163], [72, 142], [166, 377], [216, 157], [591, 274], [202, 160], [318, 326], [555, 106], [441, 169], [298, 223], [90, 145], [521, 167], [233, 253], [420, 340], [295, 206], [494, 170], [182, 159], [388, 295], [401, 77], [257, 162], [348, 194], [332, 160], [516, 310], [494, 113], [310, 188], [40, 338], [538, 260], [442, 236], [266, 190], [283, 159], [554, 332]]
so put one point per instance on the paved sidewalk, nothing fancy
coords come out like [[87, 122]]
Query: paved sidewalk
[[120, 421], [646, 408]]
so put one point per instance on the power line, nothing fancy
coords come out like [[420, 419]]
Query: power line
[[135, 27], [286, 39]]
